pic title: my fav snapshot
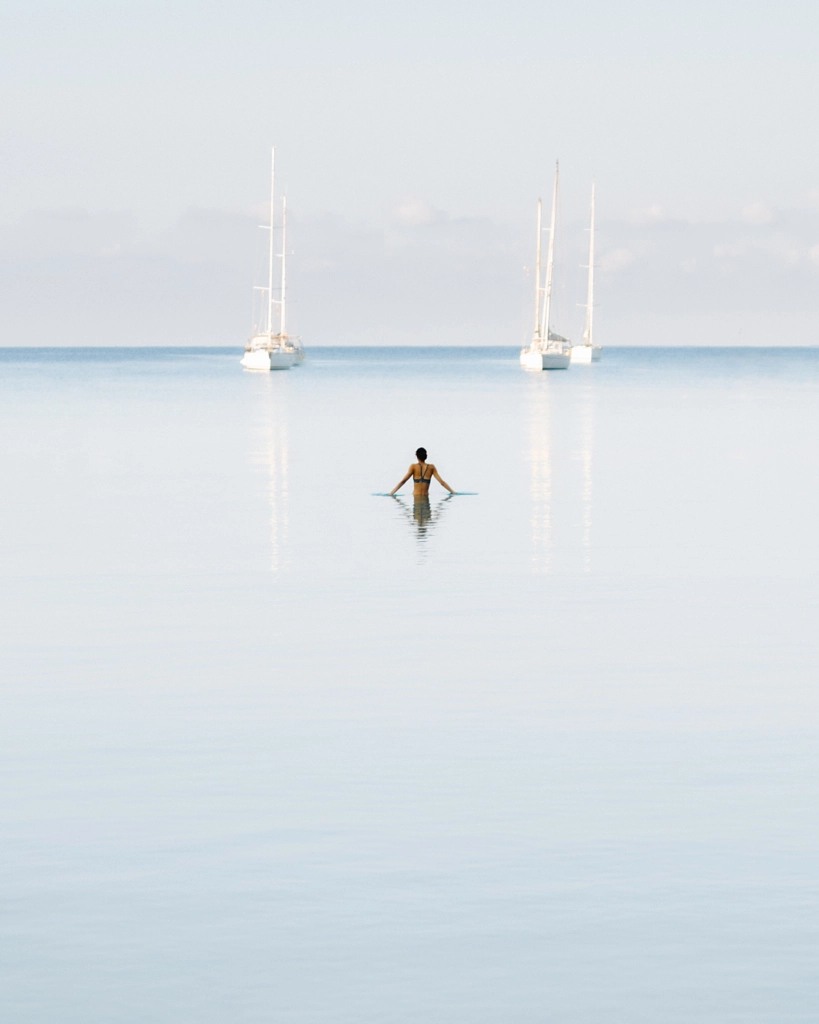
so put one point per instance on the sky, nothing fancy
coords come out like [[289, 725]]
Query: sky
[[413, 140]]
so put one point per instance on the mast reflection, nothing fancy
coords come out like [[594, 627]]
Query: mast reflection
[[273, 457], [540, 457], [586, 449]]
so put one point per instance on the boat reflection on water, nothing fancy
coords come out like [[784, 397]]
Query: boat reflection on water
[[423, 516], [561, 477], [540, 455], [586, 448], [272, 457]]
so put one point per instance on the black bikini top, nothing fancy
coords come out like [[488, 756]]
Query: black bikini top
[[422, 479]]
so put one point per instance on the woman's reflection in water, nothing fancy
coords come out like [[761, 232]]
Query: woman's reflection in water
[[423, 516]]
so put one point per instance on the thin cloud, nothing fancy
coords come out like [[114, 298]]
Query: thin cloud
[[758, 214], [653, 214], [617, 260], [415, 211], [731, 252], [763, 251]]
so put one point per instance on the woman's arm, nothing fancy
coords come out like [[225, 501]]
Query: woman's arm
[[399, 486], [443, 483]]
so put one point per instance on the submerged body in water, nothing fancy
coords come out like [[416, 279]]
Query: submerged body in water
[[423, 515]]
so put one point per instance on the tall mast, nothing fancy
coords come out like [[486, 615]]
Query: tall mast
[[550, 261], [270, 267], [282, 327], [537, 268], [587, 334]]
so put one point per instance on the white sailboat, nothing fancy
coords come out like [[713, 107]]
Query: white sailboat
[[588, 352], [548, 351], [267, 350]]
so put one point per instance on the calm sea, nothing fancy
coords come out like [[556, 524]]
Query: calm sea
[[274, 749]]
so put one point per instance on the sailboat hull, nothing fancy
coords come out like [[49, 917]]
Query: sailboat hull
[[266, 359], [586, 353], [550, 359]]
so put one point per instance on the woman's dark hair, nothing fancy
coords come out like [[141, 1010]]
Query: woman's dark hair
[[421, 453]]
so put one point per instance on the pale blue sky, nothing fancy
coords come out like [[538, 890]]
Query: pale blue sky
[[396, 125]]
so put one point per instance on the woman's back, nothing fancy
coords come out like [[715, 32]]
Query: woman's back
[[422, 473]]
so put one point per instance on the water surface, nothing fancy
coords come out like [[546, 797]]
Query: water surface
[[275, 749]]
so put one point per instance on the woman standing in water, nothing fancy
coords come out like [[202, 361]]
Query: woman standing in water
[[422, 473]]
